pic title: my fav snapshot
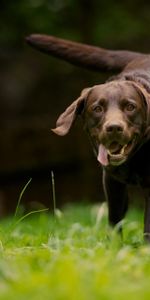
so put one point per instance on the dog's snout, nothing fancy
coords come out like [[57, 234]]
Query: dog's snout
[[113, 128]]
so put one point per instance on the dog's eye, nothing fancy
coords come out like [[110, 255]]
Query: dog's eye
[[98, 109], [130, 107]]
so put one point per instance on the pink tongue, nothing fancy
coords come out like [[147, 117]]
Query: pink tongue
[[102, 155]]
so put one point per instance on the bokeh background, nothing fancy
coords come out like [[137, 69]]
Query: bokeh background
[[36, 88]]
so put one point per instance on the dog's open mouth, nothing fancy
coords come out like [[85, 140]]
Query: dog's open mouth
[[115, 154]]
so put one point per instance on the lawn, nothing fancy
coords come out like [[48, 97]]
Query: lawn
[[73, 256]]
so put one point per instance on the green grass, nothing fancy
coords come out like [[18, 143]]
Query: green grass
[[74, 256]]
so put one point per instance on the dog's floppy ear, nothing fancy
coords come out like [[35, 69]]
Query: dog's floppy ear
[[67, 118], [145, 96]]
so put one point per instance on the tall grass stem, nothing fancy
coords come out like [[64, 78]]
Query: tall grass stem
[[53, 191]]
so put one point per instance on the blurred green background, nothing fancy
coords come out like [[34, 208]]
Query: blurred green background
[[35, 88]]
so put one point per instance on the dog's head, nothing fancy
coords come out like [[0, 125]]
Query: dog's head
[[115, 115]]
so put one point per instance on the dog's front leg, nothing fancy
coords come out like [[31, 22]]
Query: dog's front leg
[[117, 198], [147, 218]]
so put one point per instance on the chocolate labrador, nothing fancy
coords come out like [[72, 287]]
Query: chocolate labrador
[[116, 116]]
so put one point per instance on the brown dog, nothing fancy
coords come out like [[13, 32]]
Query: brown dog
[[116, 116]]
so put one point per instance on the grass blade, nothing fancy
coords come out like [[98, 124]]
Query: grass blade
[[30, 213], [20, 197]]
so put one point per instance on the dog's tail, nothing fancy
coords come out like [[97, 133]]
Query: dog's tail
[[90, 57]]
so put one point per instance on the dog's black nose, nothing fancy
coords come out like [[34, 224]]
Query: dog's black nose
[[114, 128]]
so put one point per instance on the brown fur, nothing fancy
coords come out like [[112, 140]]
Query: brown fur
[[116, 116]]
